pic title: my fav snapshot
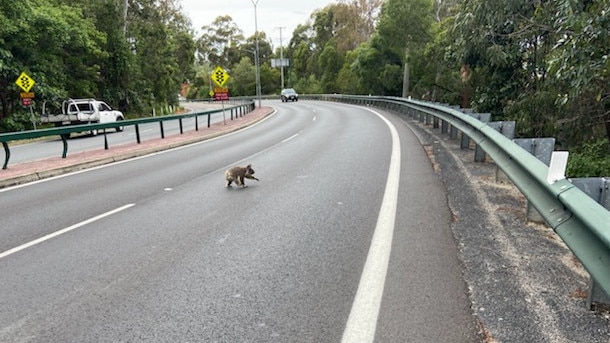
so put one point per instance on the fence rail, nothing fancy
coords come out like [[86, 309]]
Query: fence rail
[[65, 131]]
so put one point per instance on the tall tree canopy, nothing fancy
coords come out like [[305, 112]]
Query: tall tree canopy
[[76, 49]]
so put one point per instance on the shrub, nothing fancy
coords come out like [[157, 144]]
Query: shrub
[[590, 160]]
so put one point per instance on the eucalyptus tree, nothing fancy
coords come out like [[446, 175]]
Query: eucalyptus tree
[[218, 39], [403, 29], [161, 48], [318, 48], [58, 47], [243, 77], [581, 62], [543, 64]]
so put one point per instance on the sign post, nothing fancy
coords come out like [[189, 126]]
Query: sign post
[[220, 77], [26, 83]]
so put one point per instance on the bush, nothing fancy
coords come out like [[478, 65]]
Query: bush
[[17, 121], [590, 160]]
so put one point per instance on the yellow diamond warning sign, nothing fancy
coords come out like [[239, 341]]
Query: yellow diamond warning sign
[[219, 76], [25, 82]]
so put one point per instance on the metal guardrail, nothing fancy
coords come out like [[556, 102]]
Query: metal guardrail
[[65, 131], [581, 222]]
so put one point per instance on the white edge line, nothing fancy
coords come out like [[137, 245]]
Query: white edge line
[[362, 322], [289, 138], [62, 231]]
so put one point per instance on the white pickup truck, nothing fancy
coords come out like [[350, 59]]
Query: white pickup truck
[[83, 111]]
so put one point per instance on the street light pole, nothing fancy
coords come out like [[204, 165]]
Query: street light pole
[[281, 57], [256, 58]]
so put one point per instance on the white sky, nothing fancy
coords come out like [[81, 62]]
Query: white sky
[[270, 14]]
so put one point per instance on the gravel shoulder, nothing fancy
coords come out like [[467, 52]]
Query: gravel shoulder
[[525, 284]]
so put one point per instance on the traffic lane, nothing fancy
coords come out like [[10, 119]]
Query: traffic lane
[[85, 141], [426, 294], [70, 200], [277, 261]]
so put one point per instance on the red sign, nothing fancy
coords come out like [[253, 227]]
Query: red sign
[[26, 101], [221, 96]]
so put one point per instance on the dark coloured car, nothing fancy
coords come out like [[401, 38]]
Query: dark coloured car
[[289, 94]]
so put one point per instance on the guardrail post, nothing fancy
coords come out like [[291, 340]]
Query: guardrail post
[[180, 123], [209, 119], [7, 154], [453, 132], [161, 128], [597, 189], [542, 148], [138, 134], [483, 117], [196, 123], [105, 140], [506, 128], [429, 119], [65, 143]]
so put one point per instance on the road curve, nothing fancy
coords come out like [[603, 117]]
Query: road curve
[[158, 249]]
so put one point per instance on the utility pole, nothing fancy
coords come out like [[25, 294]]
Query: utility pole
[[125, 4], [257, 58], [281, 56], [405, 77]]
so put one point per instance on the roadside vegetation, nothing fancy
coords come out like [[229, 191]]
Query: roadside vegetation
[[543, 64]]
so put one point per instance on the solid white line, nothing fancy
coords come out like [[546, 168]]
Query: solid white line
[[362, 321], [289, 138], [62, 231]]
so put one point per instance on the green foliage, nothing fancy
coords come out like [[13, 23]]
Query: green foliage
[[19, 121], [590, 160], [543, 64], [243, 78], [311, 85], [78, 50]]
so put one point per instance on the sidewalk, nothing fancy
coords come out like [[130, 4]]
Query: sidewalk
[[20, 173]]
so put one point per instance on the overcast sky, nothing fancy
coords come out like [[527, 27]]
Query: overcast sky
[[271, 15]]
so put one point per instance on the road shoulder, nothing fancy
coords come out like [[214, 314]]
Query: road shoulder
[[525, 284]]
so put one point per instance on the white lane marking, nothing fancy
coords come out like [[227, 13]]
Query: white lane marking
[[362, 321], [62, 231], [289, 138]]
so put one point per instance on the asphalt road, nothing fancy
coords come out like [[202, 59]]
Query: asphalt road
[[347, 236]]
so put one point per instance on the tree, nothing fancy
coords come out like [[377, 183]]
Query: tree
[[58, 47], [579, 60], [217, 40], [403, 27]]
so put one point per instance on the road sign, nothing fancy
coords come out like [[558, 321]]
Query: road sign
[[25, 82], [219, 76], [26, 101], [221, 96]]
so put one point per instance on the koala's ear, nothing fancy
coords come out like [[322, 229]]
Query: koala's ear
[[249, 166]]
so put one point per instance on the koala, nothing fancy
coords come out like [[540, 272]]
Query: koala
[[238, 174]]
